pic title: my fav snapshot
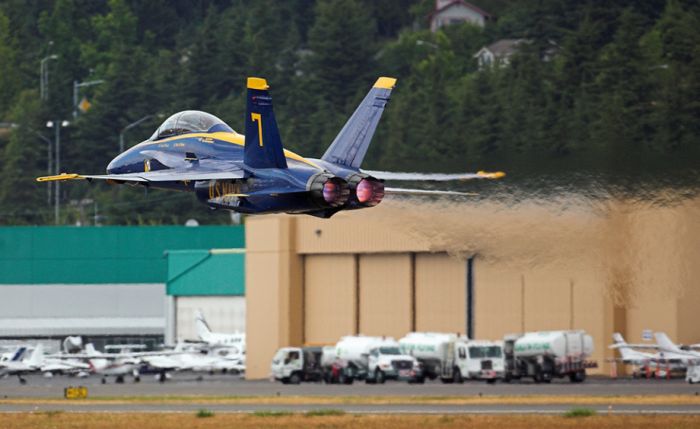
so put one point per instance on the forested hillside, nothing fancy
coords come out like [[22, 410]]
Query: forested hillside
[[598, 86]]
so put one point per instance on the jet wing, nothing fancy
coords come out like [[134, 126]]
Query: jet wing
[[168, 175], [434, 177]]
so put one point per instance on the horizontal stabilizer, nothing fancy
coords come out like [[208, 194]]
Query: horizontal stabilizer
[[350, 145], [434, 177], [404, 191]]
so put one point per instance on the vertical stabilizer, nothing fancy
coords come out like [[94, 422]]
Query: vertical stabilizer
[[203, 331], [665, 343], [37, 356], [350, 145], [263, 145]]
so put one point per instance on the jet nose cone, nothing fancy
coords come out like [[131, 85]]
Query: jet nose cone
[[116, 165]]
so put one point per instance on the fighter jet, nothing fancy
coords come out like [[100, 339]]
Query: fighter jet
[[197, 152]]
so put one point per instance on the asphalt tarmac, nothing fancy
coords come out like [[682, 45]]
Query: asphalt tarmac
[[187, 384]]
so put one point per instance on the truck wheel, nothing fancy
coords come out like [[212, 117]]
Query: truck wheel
[[379, 376], [457, 376], [577, 377], [294, 378], [446, 380]]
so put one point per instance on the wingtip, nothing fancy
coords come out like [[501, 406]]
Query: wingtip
[[385, 83], [491, 175], [257, 83], [62, 176]]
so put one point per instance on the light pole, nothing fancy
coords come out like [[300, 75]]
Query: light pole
[[49, 164], [44, 75], [57, 125], [127, 128], [76, 88]]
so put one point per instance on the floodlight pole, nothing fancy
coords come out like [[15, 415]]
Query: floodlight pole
[[57, 125]]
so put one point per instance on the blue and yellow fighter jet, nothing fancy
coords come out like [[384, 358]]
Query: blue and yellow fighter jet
[[197, 152]]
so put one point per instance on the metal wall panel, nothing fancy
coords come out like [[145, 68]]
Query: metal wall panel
[[47, 310], [329, 298], [441, 283], [101, 255], [357, 231], [385, 295], [206, 272], [226, 314]]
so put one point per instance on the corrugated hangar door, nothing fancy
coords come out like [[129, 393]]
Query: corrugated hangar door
[[441, 298], [385, 295], [329, 298]]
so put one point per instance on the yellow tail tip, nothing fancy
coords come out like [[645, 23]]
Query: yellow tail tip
[[491, 175], [257, 83], [385, 83]]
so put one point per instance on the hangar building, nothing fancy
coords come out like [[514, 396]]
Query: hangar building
[[487, 268], [114, 284]]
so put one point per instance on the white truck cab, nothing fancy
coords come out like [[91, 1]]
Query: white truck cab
[[387, 362], [292, 365], [692, 374], [480, 360]]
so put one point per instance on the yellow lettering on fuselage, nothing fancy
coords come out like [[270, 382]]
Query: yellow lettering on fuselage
[[219, 189]]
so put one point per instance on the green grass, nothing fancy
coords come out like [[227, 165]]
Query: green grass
[[272, 413], [580, 412], [325, 412], [202, 413]]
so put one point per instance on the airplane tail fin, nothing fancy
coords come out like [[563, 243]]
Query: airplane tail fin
[[263, 145], [665, 342], [90, 349], [350, 145], [37, 356], [203, 329], [622, 347], [17, 356]]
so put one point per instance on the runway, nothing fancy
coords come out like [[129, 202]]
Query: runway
[[229, 385], [185, 393]]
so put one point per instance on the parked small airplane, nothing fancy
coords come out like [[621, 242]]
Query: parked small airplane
[[216, 339], [19, 367], [664, 359], [197, 152]]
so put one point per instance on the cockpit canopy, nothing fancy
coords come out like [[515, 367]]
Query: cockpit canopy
[[190, 121]]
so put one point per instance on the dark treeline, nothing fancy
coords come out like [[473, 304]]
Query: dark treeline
[[609, 86]]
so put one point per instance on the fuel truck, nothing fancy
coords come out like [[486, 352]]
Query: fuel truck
[[378, 359], [454, 358], [547, 354]]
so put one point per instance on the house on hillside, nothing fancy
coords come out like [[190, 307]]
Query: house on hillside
[[497, 53], [449, 12]]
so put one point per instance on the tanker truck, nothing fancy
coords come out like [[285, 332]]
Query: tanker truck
[[548, 354], [292, 365], [378, 359], [454, 358]]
